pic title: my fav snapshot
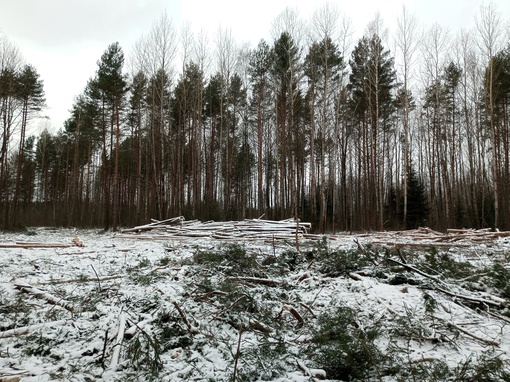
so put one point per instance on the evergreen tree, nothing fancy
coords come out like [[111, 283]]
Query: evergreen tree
[[259, 67], [285, 71], [323, 68], [371, 83], [30, 91], [212, 115], [111, 84], [499, 128], [160, 135], [136, 119], [417, 203]]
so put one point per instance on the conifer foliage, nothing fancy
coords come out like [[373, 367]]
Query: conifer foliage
[[417, 203]]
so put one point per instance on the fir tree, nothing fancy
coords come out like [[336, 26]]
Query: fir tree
[[417, 203]]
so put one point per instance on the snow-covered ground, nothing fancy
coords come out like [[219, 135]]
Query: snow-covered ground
[[121, 309]]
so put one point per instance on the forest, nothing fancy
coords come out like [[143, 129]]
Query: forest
[[389, 131]]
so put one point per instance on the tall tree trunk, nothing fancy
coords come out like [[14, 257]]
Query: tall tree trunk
[[116, 190], [21, 154]]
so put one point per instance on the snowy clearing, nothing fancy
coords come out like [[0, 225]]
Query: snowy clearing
[[120, 308]]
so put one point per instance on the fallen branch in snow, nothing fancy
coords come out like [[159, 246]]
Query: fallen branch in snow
[[257, 325], [294, 312], [105, 343], [118, 342], [81, 280], [75, 253], [308, 308], [257, 280], [229, 307], [414, 269], [238, 354], [424, 359], [387, 307], [314, 373], [29, 329], [363, 250], [45, 296], [133, 329], [191, 328], [499, 303], [97, 278], [468, 333], [206, 296], [502, 318], [301, 276]]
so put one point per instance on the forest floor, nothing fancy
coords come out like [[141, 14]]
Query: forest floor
[[88, 305]]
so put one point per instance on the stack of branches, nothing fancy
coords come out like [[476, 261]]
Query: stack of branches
[[249, 229]]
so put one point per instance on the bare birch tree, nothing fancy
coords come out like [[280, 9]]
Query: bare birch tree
[[489, 27], [406, 42]]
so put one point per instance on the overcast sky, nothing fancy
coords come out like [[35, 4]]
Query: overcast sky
[[63, 39]]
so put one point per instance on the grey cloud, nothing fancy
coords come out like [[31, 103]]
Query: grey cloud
[[53, 24]]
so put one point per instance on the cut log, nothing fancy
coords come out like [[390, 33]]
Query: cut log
[[14, 375], [118, 342], [45, 296], [78, 242], [30, 245], [288, 229], [29, 329]]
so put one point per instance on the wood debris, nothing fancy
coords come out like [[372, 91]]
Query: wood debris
[[76, 242], [118, 342], [23, 287], [29, 329], [423, 237], [294, 312], [248, 229], [30, 245]]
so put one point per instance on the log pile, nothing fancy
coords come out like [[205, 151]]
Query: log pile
[[424, 236], [76, 242], [248, 229]]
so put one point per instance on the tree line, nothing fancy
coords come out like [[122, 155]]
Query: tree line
[[349, 136]]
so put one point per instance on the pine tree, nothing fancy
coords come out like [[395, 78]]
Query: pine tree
[[112, 87], [259, 69], [371, 84], [323, 67], [30, 92], [285, 70]]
